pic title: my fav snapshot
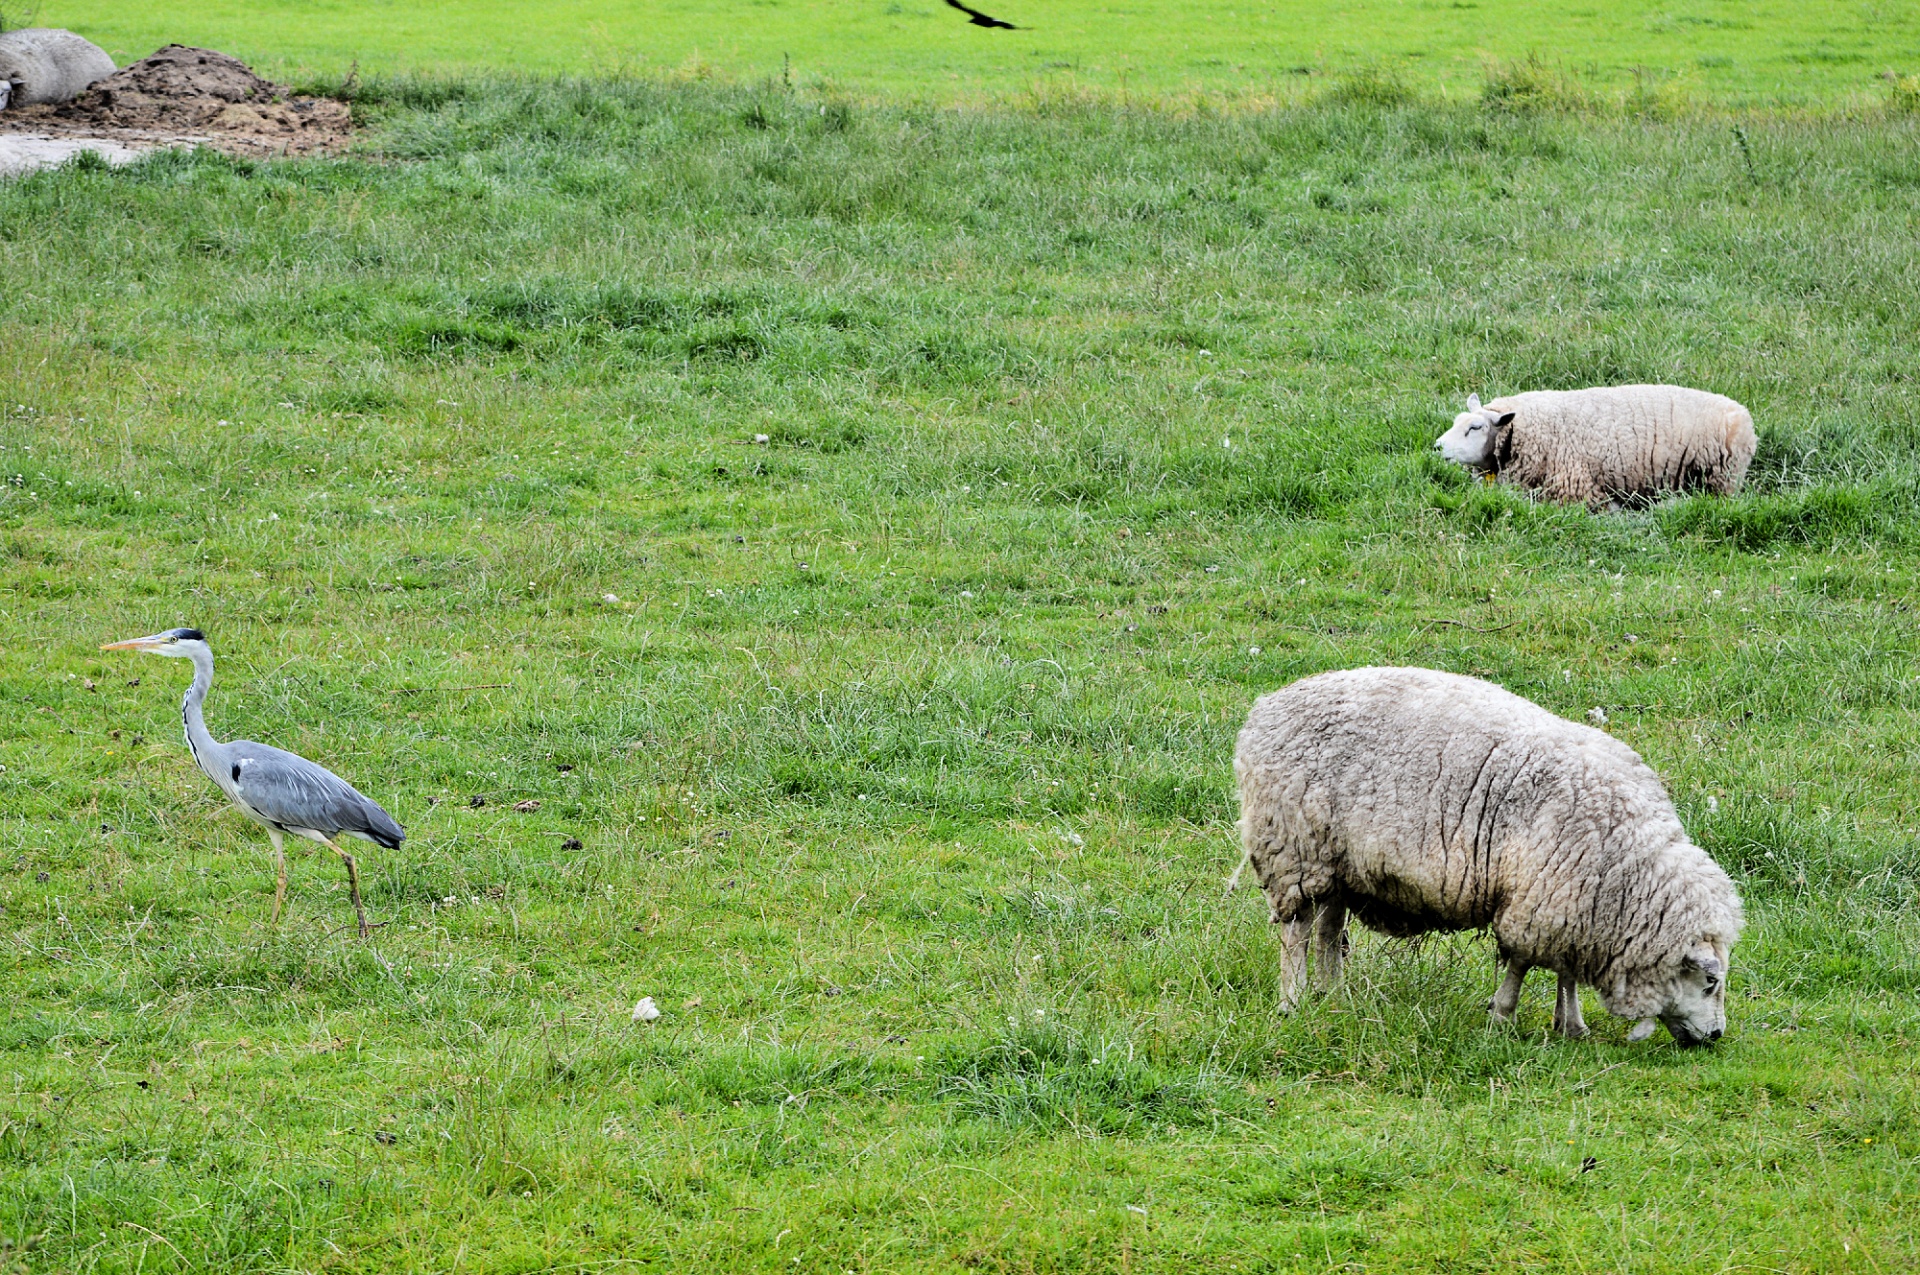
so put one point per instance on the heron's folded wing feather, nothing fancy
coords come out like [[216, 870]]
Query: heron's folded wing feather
[[297, 793]]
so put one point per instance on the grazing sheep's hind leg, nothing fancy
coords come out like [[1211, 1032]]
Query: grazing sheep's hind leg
[[1566, 1009], [1329, 944], [1293, 959], [1507, 999]]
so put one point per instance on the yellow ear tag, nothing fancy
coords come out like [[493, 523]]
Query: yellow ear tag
[[1489, 478]]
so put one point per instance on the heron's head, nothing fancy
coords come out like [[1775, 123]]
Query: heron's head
[[179, 642]]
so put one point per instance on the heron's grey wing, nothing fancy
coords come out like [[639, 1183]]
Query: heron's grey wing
[[293, 792]]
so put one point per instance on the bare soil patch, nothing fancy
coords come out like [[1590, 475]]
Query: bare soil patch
[[183, 95]]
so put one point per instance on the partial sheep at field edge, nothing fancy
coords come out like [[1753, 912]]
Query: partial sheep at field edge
[[1609, 445], [46, 64]]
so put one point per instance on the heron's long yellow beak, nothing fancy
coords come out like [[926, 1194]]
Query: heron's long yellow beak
[[134, 644]]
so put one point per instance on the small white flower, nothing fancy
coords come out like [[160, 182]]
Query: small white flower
[[1226, 440], [1713, 805], [966, 593], [1253, 650], [646, 1011], [761, 438], [609, 597], [1597, 715]]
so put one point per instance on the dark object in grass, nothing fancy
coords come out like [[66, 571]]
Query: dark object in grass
[[571, 843], [979, 19]]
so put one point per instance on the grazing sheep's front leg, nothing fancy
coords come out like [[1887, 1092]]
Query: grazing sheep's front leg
[[1507, 999], [1293, 960], [1566, 1009], [1330, 944]]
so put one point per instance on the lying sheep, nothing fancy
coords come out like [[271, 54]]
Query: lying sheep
[[1427, 801], [46, 64], [1609, 446]]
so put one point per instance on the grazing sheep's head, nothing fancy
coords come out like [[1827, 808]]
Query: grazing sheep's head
[[1471, 440], [1694, 1000]]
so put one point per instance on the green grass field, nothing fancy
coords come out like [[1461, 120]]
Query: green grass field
[[1733, 51], [896, 748]]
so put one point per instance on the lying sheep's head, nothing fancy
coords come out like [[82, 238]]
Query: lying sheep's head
[[6, 93], [1694, 1000], [1471, 440]]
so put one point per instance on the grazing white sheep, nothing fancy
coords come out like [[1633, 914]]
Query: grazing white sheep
[[1606, 446], [47, 64], [1423, 801]]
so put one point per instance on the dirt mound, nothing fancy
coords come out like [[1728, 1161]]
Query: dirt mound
[[181, 94], [178, 76]]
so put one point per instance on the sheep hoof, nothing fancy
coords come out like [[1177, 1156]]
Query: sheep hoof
[[1641, 1030]]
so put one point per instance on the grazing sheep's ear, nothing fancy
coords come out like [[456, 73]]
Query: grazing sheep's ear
[[1473, 402], [1641, 1030], [1707, 963]]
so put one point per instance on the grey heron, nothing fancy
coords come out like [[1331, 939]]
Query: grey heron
[[281, 790]]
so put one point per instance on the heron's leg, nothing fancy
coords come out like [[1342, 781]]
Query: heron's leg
[[280, 867], [1329, 943], [353, 887], [1566, 1009], [1507, 999]]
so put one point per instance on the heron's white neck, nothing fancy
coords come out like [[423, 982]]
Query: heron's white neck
[[199, 739]]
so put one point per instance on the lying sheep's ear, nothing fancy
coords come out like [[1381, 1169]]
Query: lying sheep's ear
[[1473, 402], [1502, 440]]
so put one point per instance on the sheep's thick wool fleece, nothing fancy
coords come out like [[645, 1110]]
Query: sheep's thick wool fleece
[[1430, 801], [46, 64], [1625, 442]]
